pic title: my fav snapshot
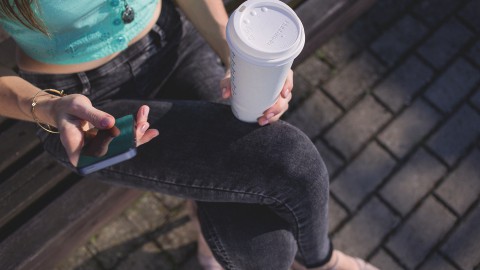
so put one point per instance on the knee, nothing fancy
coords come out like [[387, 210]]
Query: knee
[[295, 162], [271, 250]]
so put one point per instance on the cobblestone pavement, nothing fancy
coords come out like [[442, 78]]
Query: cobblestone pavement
[[393, 105]]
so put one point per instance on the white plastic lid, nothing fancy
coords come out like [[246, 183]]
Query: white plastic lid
[[268, 31]]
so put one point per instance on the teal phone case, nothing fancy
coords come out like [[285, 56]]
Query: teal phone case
[[122, 147]]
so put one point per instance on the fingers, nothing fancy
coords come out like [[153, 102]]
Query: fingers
[[143, 134], [82, 108], [226, 93], [74, 114], [288, 86], [281, 106], [225, 85], [276, 111]]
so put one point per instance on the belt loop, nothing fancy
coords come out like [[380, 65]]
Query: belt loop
[[160, 36], [85, 83]]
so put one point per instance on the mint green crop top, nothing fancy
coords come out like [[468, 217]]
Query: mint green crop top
[[80, 30]]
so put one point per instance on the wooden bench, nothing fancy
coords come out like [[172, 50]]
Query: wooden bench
[[47, 211]]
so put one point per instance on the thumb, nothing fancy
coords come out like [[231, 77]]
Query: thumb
[[100, 119], [81, 108], [85, 111]]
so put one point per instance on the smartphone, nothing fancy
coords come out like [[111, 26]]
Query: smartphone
[[104, 148]]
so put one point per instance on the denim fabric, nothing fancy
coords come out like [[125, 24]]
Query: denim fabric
[[262, 192]]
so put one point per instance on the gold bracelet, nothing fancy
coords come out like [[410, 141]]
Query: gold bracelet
[[44, 126]]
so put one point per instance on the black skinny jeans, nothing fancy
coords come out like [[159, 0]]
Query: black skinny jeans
[[262, 192]]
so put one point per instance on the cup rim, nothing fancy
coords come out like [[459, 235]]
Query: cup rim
[[253, 53]]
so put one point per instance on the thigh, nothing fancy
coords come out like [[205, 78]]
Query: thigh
[[203, 152]]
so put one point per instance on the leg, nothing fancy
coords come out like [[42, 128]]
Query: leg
[[204, 153], [242, 236]]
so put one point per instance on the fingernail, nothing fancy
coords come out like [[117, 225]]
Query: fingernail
[[144, 128], [145, 111], [270, 115], [104, 123], [263, 122], [223, 91], [285, 93]]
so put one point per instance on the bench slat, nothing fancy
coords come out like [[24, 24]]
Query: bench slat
[[64, 224], [231, 5], [28, 184], [323, 19], [16, 142]]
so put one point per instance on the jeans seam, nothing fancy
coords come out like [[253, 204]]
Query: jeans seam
[[218, 244], [297, 230]]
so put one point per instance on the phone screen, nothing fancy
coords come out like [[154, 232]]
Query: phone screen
[[107, 147]]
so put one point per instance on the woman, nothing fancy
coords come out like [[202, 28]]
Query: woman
[[262, 190]]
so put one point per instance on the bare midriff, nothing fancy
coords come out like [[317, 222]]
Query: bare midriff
[[27, 63]]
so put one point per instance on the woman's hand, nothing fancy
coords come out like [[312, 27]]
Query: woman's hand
[[276, 111], [74, 114]]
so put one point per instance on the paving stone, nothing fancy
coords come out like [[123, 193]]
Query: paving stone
[[147, 257], [170, 202], [314, 70], [462, 187], [179, 241], [316, 113], [438, 263], [147, 213], [115, 241], [397, 40], [366, 230], [386, 11], [332, 161], [421, 232], [409, 128], [470, 13], [430, 13], [463, 245], [445, 43], [357, 126], [341, 48], [302, 89], [362, 176], [336, 214], [398, 89], [355, 79], [455, 136], [413, 181], [476, 99], [363, 31], [384, 261], [474, 53], [81, 259], [457, 81]]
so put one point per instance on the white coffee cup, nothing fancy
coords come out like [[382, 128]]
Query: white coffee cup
[[264, 37]]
